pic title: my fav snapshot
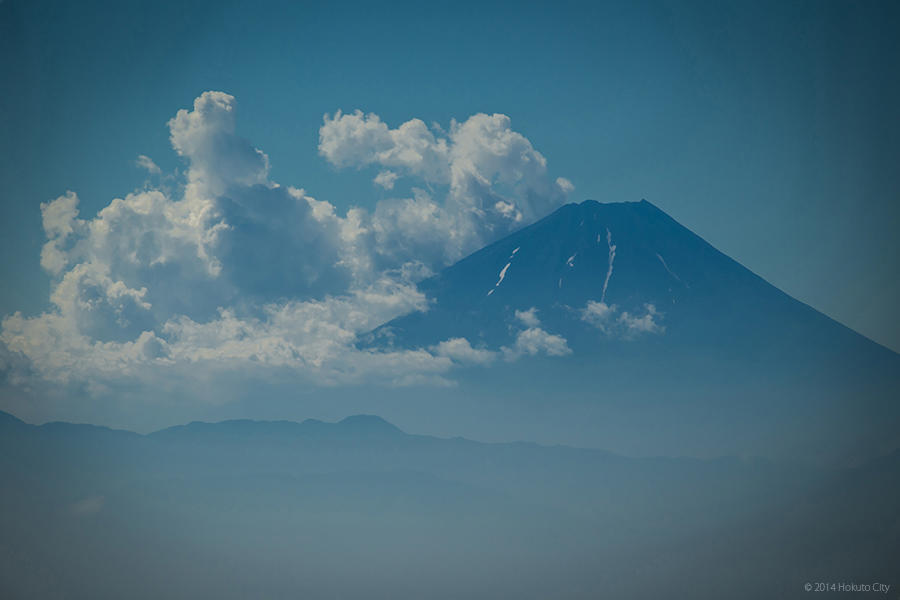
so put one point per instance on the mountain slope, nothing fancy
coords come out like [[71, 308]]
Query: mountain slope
[[626, 255], [682, 349]]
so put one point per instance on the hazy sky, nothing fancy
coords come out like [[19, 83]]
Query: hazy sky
[[190, 194]]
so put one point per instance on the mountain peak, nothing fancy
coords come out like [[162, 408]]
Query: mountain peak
[[356, 425], [367, 424], [628, 254], [600, 274]]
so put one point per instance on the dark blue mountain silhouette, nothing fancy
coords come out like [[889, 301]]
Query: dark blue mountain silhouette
[[626, 255], [367, 426], [676, 348]]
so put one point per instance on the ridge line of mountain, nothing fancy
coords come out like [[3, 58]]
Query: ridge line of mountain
[[7, 418]]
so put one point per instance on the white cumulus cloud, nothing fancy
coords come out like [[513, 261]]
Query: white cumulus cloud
[[491, 178], [386, 179], [638, 324], [233, 272], [533, 339], [528, 317], [460, 350]]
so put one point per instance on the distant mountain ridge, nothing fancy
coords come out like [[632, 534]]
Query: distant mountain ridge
[[361, 509], [360, 424]]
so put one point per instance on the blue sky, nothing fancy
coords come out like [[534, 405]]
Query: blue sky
[[770, 129]]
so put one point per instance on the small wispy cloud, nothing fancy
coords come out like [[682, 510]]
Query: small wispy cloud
[[386, 179], [622, 324], [145, 162]]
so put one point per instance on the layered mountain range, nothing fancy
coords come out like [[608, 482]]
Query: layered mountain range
[[361, 509]]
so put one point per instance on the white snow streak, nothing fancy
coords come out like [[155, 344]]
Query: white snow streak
[[668, 270], [503, 272], [612, 258]]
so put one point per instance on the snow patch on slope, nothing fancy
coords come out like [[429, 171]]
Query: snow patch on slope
[[503, 272], [612, 258], [668, 270]]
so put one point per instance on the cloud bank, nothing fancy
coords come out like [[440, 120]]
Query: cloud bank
[[235, 271]]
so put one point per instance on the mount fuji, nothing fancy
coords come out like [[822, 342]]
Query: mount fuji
[[669, 345]]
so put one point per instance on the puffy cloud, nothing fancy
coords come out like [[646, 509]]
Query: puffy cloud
[[485, 151], [624, 324], [636, 325], [386, 179], [315, 339], [218, 157], [59, 217], [460, 350], [236, 272], [355, 139], [233, 237], [102, 307], [565, 185], [598, 314], [534, 340], [416, 228], [528, 317], [57, 352], [493, 180]]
